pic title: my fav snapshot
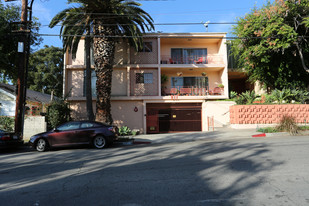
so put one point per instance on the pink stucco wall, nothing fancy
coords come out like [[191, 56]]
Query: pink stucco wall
[[267, 114]]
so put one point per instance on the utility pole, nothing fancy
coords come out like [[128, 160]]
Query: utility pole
[[22, 45], [23, 56]]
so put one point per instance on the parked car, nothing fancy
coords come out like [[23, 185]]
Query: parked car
[[96, 134], [10, 139]]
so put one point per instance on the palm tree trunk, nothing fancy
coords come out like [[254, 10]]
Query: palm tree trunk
[[90, 114], [104, 50]]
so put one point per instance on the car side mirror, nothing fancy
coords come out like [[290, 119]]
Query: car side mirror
[[56, 130]]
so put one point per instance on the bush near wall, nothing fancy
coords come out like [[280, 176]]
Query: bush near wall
[[7, 123], [58, 112], [268, 114]]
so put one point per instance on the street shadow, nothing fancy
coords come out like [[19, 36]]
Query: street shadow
[[207, 173]]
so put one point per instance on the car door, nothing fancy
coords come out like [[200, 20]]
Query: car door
[[64, 134], [84, 134]]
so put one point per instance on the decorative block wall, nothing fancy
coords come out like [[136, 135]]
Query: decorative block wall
[[267, 114]]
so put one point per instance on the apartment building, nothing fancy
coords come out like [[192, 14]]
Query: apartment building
[[162, 88]]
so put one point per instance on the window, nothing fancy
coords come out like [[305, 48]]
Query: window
[[144, 78], [147, 47], [69, 126], [188, 56], [93, 83], [197, 82], [86, 125], [91, 55]]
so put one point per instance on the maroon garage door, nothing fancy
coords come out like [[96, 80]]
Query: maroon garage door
[[173, 117]]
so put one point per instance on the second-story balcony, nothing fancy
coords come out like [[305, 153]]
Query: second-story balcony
[[191, 91], [193, 59]]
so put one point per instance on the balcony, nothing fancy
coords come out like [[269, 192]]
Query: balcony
[[195, 59], [191, 91]]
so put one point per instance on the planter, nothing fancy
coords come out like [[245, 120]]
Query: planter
[[125, 140]]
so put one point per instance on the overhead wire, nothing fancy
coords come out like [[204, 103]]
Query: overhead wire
[[154, 35]]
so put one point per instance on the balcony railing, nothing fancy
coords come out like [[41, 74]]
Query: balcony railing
[[206, 59], [191, 91]]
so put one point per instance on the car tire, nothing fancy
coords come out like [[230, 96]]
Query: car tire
[[99, 142], [41, 145]]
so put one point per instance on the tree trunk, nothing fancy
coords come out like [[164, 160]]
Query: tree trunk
[[301, 56], [104, 51], [90, 114]]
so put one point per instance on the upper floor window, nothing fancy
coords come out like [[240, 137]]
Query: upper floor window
[[189, 55], [93, 83], [144, 78], [147, 47], [91, 55]]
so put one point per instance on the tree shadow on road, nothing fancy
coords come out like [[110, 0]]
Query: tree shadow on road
[[207, 173]]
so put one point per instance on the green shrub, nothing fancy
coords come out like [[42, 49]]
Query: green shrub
[[268, 130], [269, 99], [288, 124], [124, 130], [233, 95], [300, 96], [240, 100], [303, 128], [134, 133], [282, 96], [58, 112], [7, 123], [247, 97]]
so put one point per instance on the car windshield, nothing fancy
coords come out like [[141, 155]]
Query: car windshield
[[2, 131]]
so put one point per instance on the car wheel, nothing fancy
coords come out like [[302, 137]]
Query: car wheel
[[99, 142], [41, 145]]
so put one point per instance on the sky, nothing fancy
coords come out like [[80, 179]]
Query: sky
[[163, 12]]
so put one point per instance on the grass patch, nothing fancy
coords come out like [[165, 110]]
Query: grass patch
[[303, 128], [268, 130]]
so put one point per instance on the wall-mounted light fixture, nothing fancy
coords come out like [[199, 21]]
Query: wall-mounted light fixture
[[135, 109]]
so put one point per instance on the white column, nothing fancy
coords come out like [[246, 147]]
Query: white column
[[128, 81], [159, 67]]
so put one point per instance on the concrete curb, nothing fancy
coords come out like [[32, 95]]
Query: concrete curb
[[275, 134]]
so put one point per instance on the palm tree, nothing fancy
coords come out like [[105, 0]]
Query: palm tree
[[110, 19], [74, 24]]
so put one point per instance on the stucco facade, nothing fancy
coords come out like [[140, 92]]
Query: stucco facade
[[193, 64]]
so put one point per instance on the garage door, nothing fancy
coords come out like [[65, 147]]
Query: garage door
[[181, 117]]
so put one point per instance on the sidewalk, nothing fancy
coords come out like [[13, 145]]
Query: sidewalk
[[220, 134]]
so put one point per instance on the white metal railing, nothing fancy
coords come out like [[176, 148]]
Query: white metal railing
[[196, 59]]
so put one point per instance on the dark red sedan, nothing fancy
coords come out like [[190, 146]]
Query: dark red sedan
[[96, 134], [10, 139]]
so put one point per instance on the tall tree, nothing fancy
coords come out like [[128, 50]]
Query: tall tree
[[110, 19], [272, 45], [75, 23], [45, 72], [9, 39]]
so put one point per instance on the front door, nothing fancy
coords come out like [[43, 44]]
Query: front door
[[64, 134], [152, 121]]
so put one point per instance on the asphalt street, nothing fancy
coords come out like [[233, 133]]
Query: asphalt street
[[247, 171]]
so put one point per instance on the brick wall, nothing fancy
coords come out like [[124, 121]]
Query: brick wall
[[267, 114]]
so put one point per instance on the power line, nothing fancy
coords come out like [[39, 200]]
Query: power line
[[158, 24], [168, 36], [170, 13]]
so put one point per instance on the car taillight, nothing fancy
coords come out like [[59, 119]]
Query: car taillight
[[113, 129], [5, 138]]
